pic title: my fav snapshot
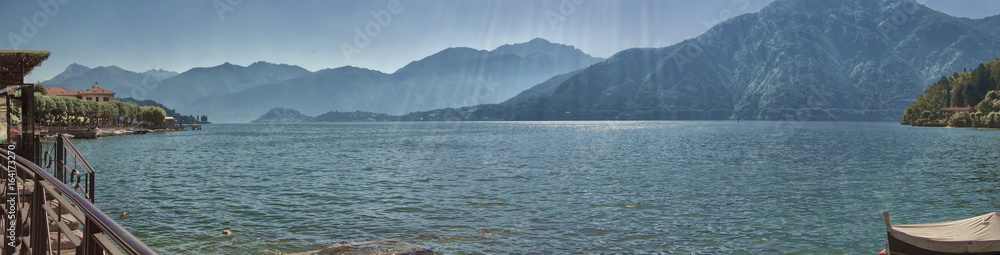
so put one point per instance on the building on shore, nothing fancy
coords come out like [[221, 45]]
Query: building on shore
[[947, 112], [95, 93]]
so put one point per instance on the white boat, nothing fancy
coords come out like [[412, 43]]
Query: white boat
[[54, 136], [976, 235]]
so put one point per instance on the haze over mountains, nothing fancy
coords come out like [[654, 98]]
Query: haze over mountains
[[793, 60], [121, 81], [453, 77]]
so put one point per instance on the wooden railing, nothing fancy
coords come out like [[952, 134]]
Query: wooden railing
[[52, 217]]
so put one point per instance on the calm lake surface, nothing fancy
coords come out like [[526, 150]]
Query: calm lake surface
[[544, 187]]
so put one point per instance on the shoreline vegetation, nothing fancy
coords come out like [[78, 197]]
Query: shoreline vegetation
[[967, 99], [59, 114], [59, 111]]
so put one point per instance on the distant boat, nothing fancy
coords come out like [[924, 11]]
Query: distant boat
[[54, 136], [139, 131], [92, 132], [103, 133]]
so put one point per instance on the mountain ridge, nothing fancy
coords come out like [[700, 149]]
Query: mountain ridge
[[793, 60], [453, 77], [113, 78]]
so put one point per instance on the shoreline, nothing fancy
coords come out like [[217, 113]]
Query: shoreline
[[86, 132]]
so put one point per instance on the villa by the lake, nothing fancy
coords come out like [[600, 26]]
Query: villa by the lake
[[95, 93]]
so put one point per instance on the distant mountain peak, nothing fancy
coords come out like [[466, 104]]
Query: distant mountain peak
[[160, 74], [538, 40], [73, 70], [539, 46], [263, 63], [75, 66], [111, 67]]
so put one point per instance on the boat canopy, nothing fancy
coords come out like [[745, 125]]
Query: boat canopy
[[976, 235]]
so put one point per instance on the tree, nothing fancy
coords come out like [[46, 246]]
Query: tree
[[991, 103], [961, 119], [204, 118], [152, 115], [39, 88], [926, 114], [960, 94]]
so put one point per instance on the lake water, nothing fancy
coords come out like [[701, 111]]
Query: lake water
[[543, 187]]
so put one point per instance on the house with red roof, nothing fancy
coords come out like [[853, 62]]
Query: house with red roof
[[95, 93]]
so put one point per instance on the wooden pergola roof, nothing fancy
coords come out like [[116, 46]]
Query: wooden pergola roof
[[15, 64]]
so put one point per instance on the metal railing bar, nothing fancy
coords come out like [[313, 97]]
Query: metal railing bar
[[69, 234], [29, 175], [116, 232], [106, 244], [63, 228], [62, 201], [76, 153], [48, 210], [80, 188]]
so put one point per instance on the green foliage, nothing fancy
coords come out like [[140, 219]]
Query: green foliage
[[992, 120], [979, 88], [962, 119], [991, 103], [170, 112], [152, 114], [989, 110], [935, 97], [39, 88], [65, 111]]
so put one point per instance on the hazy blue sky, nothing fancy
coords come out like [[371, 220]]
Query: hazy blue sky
[[177, 35]]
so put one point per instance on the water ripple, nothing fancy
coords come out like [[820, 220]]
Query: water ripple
[[543, 187]]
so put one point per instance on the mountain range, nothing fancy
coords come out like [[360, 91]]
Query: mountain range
[[113, 78], [453, 77], [792, 60]]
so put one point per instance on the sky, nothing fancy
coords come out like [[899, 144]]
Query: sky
[[384, 35]]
